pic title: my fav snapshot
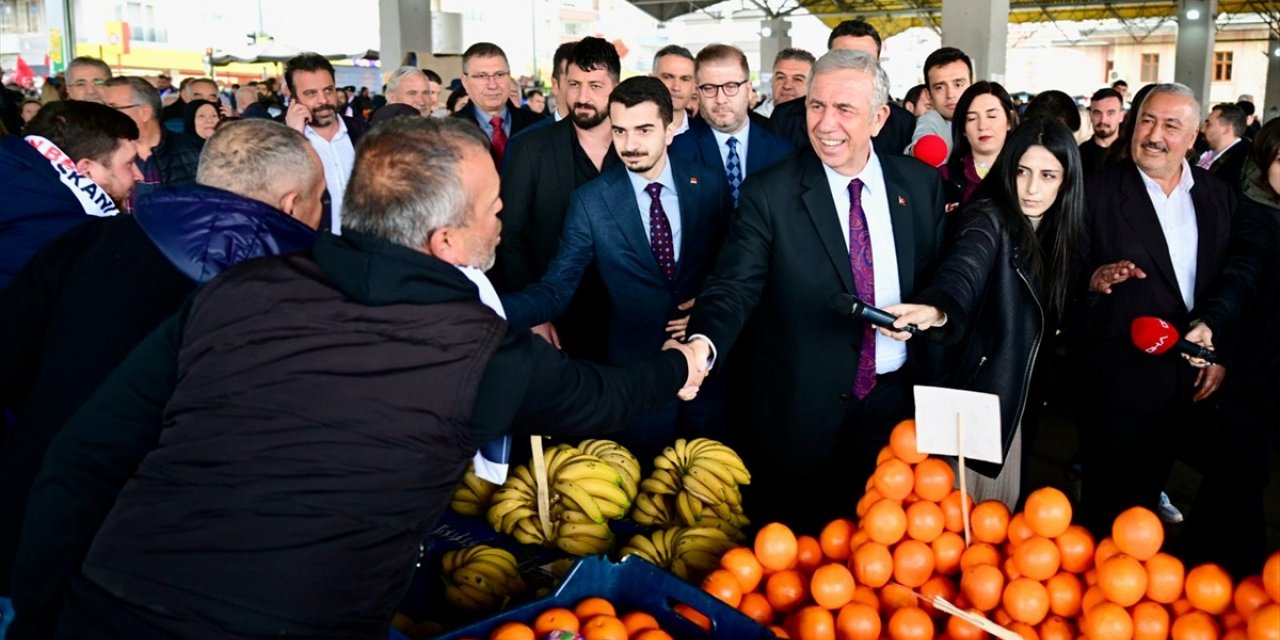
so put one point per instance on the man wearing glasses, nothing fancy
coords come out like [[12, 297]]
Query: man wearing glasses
[[164, 157], [487, 78], [85, 78], [724, 137]]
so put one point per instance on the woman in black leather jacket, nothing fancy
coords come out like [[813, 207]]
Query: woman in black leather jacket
[[1001, 288]]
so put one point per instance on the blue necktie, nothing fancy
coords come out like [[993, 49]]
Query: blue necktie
[[733, 170]]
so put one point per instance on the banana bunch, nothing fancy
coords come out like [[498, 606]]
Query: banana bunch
[[688, 552], [480, 578], [577, 534], [618, 457], [696, 484], [472, 496]]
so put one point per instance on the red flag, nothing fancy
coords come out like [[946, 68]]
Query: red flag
[[23, 75]]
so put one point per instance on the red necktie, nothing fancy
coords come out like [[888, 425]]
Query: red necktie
[[499, 139], [864, 283]]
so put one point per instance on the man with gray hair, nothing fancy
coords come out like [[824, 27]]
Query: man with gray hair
[[834, 221], [77, 309], [164, 157], [85, 77], [304, 419], [409, 85]]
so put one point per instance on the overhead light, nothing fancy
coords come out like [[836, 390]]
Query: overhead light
[[766, 32], [1193, 14], [1277, 52]]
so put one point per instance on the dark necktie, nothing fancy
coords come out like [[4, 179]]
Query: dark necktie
[[733, 170], [499, 139], [864, 283], [660, 232]]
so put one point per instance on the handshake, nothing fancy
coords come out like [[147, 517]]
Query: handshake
[[697, 353]]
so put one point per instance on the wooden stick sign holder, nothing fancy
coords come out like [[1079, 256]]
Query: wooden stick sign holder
[[544, 490], [964, 424]]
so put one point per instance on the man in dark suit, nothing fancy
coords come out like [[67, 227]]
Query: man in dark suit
[[1158, 230], [652, 225], [823, 391], [486, 76], [542, 169], [725, 136], [788, 118], [1228, 150]]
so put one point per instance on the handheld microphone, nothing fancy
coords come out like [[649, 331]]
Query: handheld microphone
[[847, 304], [932, 150], [1155, 337]]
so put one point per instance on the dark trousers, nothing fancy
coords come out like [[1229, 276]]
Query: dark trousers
[[703, 417], [90, 612], [807, 501]]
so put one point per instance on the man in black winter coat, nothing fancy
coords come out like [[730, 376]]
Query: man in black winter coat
[[165, 158], [278, 450], [81, 304]]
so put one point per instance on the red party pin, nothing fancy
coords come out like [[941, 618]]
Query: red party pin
[[693, 179], [902, 202]]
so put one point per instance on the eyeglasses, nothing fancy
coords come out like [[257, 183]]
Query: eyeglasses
[[730, 89], [80, 84], [484, 78]]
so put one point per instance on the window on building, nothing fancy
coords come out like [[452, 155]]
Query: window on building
[[143, 25], [1222, 63], [1150, 67], [21, 16], [1111, 67]]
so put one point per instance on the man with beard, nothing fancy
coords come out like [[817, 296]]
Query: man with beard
[[724, 136], [543, 168], [486, 76], [652, 228], [1106, 112], [314, 113], [409, 85]]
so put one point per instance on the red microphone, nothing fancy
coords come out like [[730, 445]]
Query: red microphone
[[1156, 337], [932, 150]]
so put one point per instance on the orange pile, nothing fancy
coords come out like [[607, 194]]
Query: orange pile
[[591, 618], [1033, 572]]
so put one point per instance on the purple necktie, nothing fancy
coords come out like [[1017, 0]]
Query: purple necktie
[[660, 233], [864, 284]]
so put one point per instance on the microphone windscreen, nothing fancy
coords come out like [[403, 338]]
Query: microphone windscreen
[[1153, 335], [931, 150]]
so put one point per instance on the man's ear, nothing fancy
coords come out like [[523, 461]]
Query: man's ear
[[288, 202], [85, 166]]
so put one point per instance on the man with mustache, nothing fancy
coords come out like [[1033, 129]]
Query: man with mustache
[[724, 136], [486, 76], [1106, 112], [314, 112], [1158, 230]]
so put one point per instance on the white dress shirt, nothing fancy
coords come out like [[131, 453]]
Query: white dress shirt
[[722, 141], [338, 157], [490, 470], [1177, 214], [670, 204], [890, 354], [683, 126]]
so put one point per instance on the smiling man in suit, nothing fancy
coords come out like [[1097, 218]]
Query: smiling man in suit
[[486, 75], [837, 218], [652, 225], [724, 136]]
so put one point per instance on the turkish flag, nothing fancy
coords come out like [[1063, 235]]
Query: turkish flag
[[23, 75]]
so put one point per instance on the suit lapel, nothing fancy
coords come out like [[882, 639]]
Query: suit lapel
[[562, 155], [760, 149], [621, 202], [816, 195], [904, 229], [1140, 214], [1206, 218], [692, 219], [709, 149]]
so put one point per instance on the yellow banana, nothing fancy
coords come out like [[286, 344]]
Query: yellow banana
[[689, 508], [606, 491], [585, 467], [580, 530], [585, 546], [467, 508], [717, 469], [718, 488], [700, 490], [509, 521], [487, 601], [731, 460], [456, 598], [573, 491]]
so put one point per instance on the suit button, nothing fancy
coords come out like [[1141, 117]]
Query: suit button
[[844, 397]]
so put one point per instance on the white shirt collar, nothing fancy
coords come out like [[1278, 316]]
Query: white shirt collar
[[666, 178], [1184, 184], [723, 138], [488, 295], [871, 175], [342, 131]]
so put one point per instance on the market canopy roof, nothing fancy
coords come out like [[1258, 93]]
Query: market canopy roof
[[266, 51]]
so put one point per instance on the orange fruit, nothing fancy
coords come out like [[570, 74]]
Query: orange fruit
[[1181, 606], [775, 547], [1025, 630], [947, 549], [698, 618], [958, 629], [1026, 600], [1231, 619], [872, 564], [555, 619], [652, 634], [864, 503], [1250, 596], [1037, 558], [983, 586], [638, 621], [1264, 624], [512, 631], [815, 623], [934, 479], [990, 522], [1236, 633], [885, 521], [785, 591], [952, 509], [902, 440], [808, 554], [1091, 598], [588, 608], [1123, 580], [866, 595], [1107, 621], [1271, 576], [1208, 588], [835, 538], [1065, 595], [1138, 532], [1150, 621], [756, 606], [1010, 569], [912, 563], [1075, 548], [895, 596], [1196, 625], [925, 520], [742, 563], [724, 586], [831, 586], [1002, 617], [857, 621], [1048, 512], [1165, 575], [894, 479], [910, 623], [1056, 628], [1019, 530], [886, 453], [937, 586], [604, 627], [979, 553], [779, 632]]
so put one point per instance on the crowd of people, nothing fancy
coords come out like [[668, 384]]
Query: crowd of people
[[248, 350]]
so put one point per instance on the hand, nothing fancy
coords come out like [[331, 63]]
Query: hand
[[547, 331], [1208, 381], [677, 327], [921, 315], [1202, 335], [697, 368], [1113, 274], [297, 117]]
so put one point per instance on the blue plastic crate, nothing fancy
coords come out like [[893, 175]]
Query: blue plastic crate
[[631, 585]]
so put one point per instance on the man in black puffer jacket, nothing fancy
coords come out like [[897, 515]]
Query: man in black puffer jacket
[[277, 452], [81, 304], [165, 158]]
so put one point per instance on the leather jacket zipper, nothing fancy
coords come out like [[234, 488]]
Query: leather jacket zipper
[[1035, 347], [976, 371]]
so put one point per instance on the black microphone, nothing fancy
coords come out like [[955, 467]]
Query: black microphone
[[847, 304]]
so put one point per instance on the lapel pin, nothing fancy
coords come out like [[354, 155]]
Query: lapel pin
[[693, 179], [902, 202]]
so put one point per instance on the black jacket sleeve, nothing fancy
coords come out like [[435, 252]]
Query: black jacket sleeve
[[86, 467], [531, 387], [1250, 257], [961, 279], [513, 270]]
